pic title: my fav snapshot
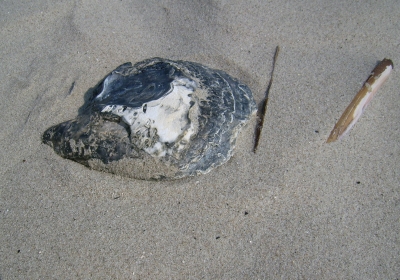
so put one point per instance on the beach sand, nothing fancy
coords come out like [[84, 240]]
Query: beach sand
[[297, 209]]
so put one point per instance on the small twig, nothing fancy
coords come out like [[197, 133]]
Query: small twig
[[71, 88], [263, 108]]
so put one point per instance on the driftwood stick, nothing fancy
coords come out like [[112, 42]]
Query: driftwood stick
[[263, 107]]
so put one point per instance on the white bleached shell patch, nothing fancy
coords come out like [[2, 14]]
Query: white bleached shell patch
[[162, 121]]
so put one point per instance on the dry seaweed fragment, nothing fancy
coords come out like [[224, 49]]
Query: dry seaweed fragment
[[263, 108], [357, 106]]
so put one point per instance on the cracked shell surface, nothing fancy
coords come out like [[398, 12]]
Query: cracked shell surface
[[158, 119]]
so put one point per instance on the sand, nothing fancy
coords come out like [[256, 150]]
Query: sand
[[298, 209]]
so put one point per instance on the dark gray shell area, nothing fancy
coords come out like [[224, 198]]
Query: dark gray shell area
[[158, 119]]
